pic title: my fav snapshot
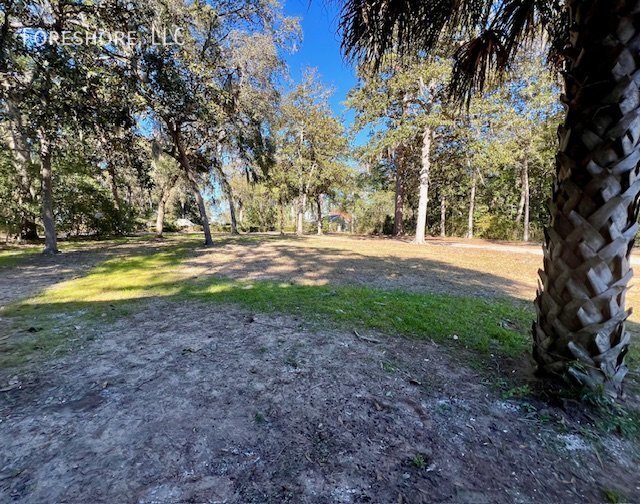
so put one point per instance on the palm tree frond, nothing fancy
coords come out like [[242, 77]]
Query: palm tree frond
[[373, 28], [475, 63], [495, 31]]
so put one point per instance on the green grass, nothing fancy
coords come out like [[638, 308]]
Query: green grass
[[111, 289], [476, 322], [418, 461], [612, 496], [10, 257]]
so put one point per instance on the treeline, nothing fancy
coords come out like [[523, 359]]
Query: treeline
[[103, 133], [432, 167], [440, 168]]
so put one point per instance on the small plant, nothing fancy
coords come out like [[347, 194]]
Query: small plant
[[418, 461], [528, 408], [521, 391], [389, 367], [544, 418], [612, 496], [291, 360], [259, 418], [621, 421], [596, 396]]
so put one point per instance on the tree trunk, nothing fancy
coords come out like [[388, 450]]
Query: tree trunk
[[162, 204], [19, 147], [520, 212], [202, 209], [232, 208], [281, 205], [472, 205], [525, 191], [186, 166], [398, 218], [581, 304], [424, 187], [319, 208], [114, 186], [443, 216], [48, 219], [302, 204], [116, 196], [160, 218]]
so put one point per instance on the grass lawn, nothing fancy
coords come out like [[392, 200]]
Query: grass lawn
[[11, 256], [500, 326]]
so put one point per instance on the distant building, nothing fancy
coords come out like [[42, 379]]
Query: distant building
[[339, 221]]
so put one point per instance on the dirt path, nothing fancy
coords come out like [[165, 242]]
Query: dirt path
[[512, 248], [183, 402]]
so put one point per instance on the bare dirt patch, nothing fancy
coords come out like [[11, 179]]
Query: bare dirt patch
[[184, 402]]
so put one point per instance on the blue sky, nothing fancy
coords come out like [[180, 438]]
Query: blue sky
[[321, 49]]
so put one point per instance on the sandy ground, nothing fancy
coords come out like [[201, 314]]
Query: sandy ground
[[477, 268], [203, 405], [184, 402], [380, 263]]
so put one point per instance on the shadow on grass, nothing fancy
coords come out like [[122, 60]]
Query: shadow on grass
[[303, 260]]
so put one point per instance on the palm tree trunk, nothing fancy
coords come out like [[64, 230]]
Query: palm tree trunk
[[472, 205], [424, 187], [443, 216], [48, 219], [581, 304]]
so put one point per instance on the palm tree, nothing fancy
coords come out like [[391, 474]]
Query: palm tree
[[580, 328]]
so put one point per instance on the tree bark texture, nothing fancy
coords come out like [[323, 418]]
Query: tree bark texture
[[580, 327]]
